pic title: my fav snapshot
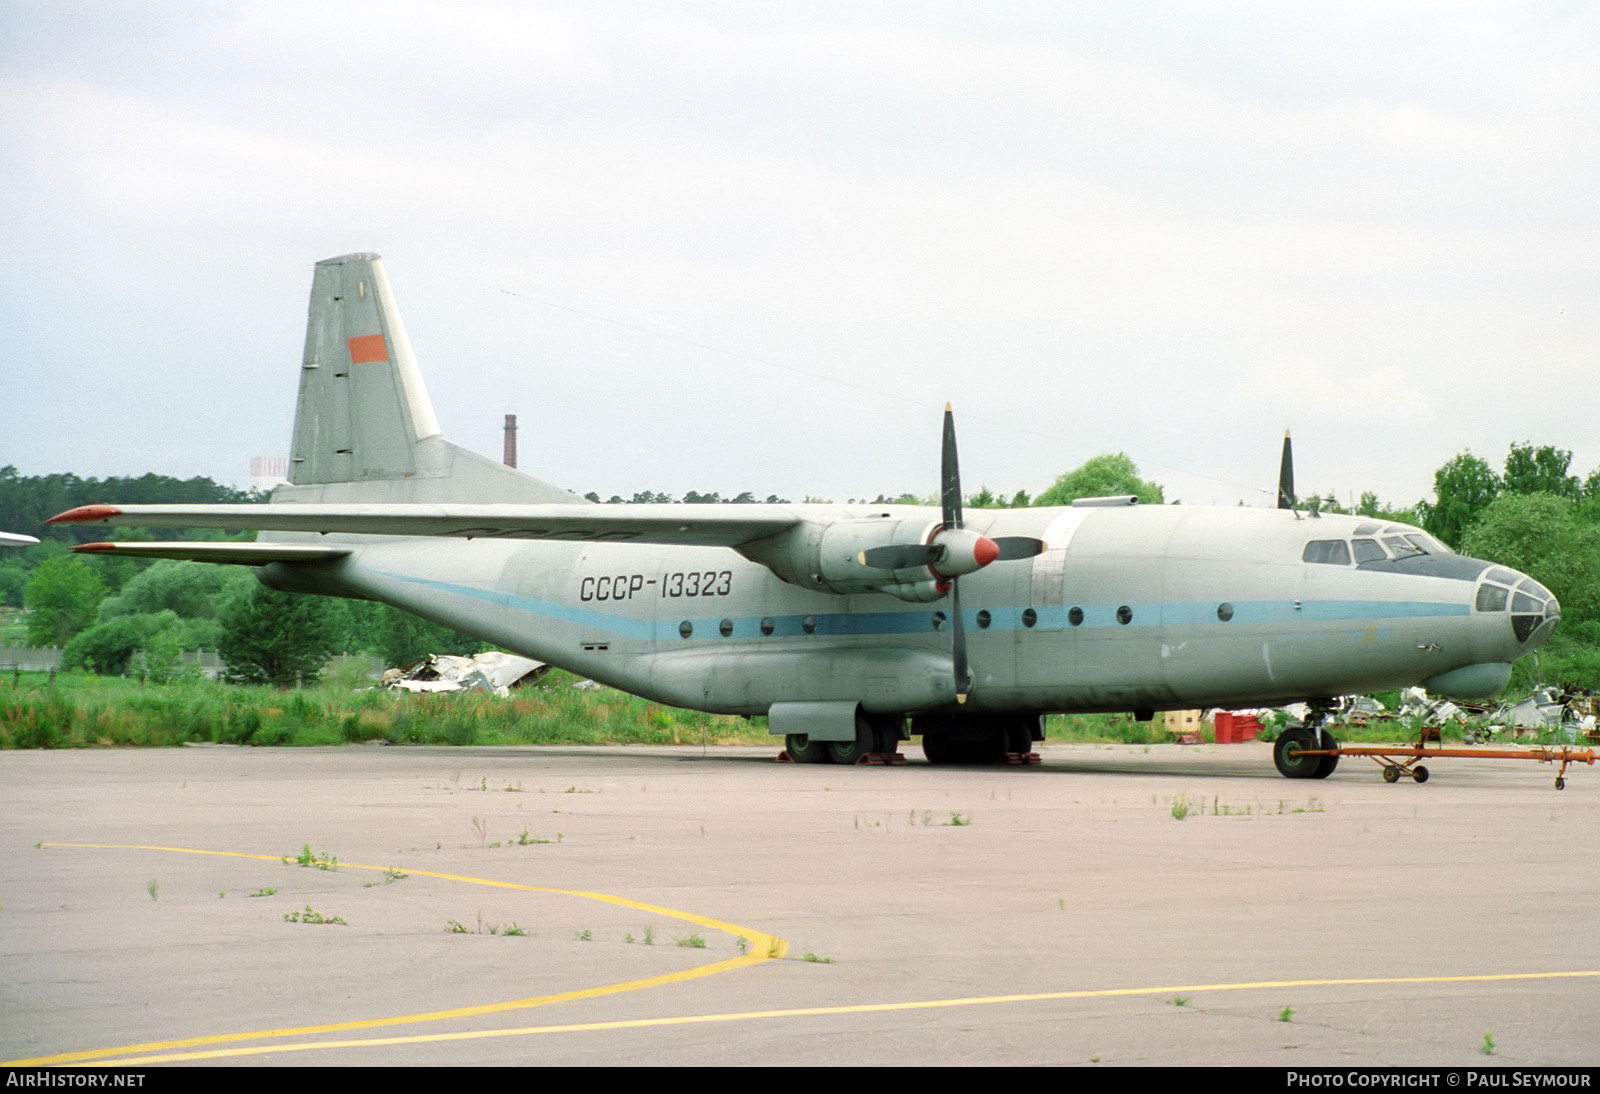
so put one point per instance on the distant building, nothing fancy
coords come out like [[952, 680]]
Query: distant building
[[267, 472]]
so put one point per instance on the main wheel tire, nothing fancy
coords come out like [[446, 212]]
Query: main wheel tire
[[850, 752], [885, 733], [1391, 774], [1420, 773], [1325, 768], [1018, 739], [803, 750], [938, 748], [1290, 761]]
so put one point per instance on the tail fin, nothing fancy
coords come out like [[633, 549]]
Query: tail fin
[[364, 428]]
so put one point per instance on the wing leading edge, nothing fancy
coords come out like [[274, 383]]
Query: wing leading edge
[[680, 525]]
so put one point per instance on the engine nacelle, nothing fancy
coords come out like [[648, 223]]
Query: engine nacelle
[[828, 556]]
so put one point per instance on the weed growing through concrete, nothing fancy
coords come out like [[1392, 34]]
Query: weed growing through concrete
[[525, 839], [514, 929], [1286, 1014], [263, 892], [153, 888], [628, 937], [744, 944], [816, 959], [1180, 1000], [585, 935], [1487, 1048], [1180, 807], [694, 942], [307, 857], [959, 820], [310, 916], [649, 936]]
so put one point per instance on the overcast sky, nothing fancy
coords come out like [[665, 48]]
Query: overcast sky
[[741, 246]]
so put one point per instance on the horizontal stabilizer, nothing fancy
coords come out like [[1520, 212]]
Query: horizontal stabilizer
[[242, 554], [684, 525]]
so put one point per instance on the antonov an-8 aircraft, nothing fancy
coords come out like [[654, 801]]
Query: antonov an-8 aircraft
[[851, 627]]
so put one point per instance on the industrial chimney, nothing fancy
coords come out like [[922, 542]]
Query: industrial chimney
[[511, 440]]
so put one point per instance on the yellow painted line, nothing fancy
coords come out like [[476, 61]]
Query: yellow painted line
[[763, 947], [859, 1008]]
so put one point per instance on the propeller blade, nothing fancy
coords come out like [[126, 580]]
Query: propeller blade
[[1015, 547], [950, 474], [958, 639], [901, 556], [1286, 475]]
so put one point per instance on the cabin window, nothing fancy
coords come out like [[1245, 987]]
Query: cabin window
[[1224, 612], [686, 629], [1491, 598], [809, 624], [1124, 615], [1329, 552], [939, 620], [1367, 550], [984, 619], [1075, 617], [768, 625], [1029, 617], [725, 628]]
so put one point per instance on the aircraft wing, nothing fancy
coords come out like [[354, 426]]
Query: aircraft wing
[[244, 554], [683, 525]]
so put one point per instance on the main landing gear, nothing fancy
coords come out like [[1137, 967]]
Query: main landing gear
[[877, 741], [981, 739]]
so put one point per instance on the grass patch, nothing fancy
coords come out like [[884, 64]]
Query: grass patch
[[81, 710]]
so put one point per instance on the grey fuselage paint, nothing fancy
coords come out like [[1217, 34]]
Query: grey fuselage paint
[[1175, 607]]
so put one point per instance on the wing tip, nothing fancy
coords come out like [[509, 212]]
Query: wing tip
[[86, 514]]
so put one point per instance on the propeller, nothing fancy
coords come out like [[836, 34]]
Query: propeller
[[952, 551], [1286, 497]]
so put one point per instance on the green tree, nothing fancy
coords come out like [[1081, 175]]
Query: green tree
[[190, 589], [275, 638], [1463, 488], [1103, 476], [403, 638], [1543, 536], [1543, 470], [62, 596]]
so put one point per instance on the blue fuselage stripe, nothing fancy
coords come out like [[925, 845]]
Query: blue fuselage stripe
[[921, 620]]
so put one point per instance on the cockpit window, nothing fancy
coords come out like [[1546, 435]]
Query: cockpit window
[[1491, 598], [1366, 529], [1367, 550], [1401, 547], [1503, 575], [1536, 589], [1331, 552]]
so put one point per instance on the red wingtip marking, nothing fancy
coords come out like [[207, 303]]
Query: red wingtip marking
[[985, 551], [366, 348], [86, 514], [94, 546]]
